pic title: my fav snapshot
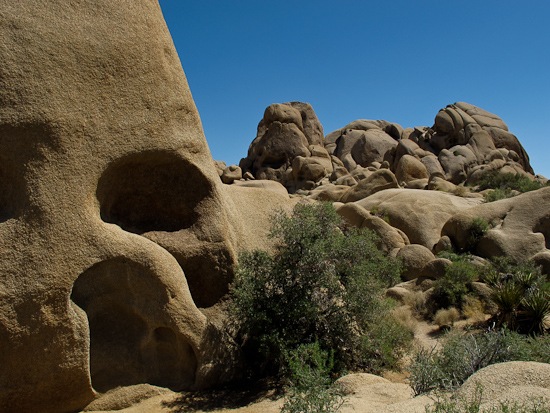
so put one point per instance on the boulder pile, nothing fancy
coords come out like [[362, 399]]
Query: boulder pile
[[412, 186], [366, 156]]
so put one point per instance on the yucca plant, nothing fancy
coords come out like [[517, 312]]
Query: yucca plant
[[507, 297], [534, 309], [521, 294]]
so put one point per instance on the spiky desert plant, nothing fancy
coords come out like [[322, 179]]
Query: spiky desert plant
[[534, 310]]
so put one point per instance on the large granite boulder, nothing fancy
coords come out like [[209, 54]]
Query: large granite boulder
[[289, 137], [465, 125], [363, 142], [375, 182], [113, 222], [418, 213], [517, 227]]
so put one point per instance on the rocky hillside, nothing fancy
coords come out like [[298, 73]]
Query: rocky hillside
[[418, 188], [464, 144]]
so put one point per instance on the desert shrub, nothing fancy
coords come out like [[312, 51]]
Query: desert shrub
[[384, 343], [530, 348], [521, 293], [446, 317], [451, 289], [453, 256], [508, 181], [473, 308], [376, 211], [324, 283], [462, 355], [478, 227], [498, 194], [416, 301], [404, 315], [310, 388]]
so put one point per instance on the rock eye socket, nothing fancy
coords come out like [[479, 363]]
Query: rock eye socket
[[151, 191]]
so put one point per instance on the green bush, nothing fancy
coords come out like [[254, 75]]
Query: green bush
[[464, 354], [508, 181], [384, 344], [478, 227], [498, 194], [310, 389], [324, 284], [454, 404], [451, 289], [506, 185], [454, 256]]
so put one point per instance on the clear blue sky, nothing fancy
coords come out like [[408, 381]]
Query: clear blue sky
[[395, 60]]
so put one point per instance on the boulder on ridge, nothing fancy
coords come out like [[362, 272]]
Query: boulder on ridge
[[288, 131], [518, 227]]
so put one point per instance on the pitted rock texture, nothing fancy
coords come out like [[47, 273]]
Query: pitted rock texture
[[114, 225]]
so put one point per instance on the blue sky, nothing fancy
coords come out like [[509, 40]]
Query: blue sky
[[395, 60]]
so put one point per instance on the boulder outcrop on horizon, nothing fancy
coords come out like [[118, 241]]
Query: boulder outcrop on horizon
[[464, 144]]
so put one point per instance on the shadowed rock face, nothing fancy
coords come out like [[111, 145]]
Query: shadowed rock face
[[102, 161]]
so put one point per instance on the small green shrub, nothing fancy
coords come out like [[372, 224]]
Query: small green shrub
[[506, 185], [530, 348], [324, 283], [478, 227], [454, 404], [451, 289], [310, 389], [464, 354], [384, 343], [453, 256], [459, 358], [376, 211], [498, 194], [508, 181]]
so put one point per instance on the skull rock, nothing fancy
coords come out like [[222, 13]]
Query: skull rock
[[113, 229]]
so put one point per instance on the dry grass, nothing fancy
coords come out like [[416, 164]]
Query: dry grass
[[416, 301], [461, 191], [405, 317], [473, 309], [446, 317]]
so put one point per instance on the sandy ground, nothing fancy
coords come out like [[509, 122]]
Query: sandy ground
[[364, 393]]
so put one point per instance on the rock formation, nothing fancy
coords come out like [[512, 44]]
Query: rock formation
[[114, 226], [119, 233], [289, 147], [464, 144], [411, 186]]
